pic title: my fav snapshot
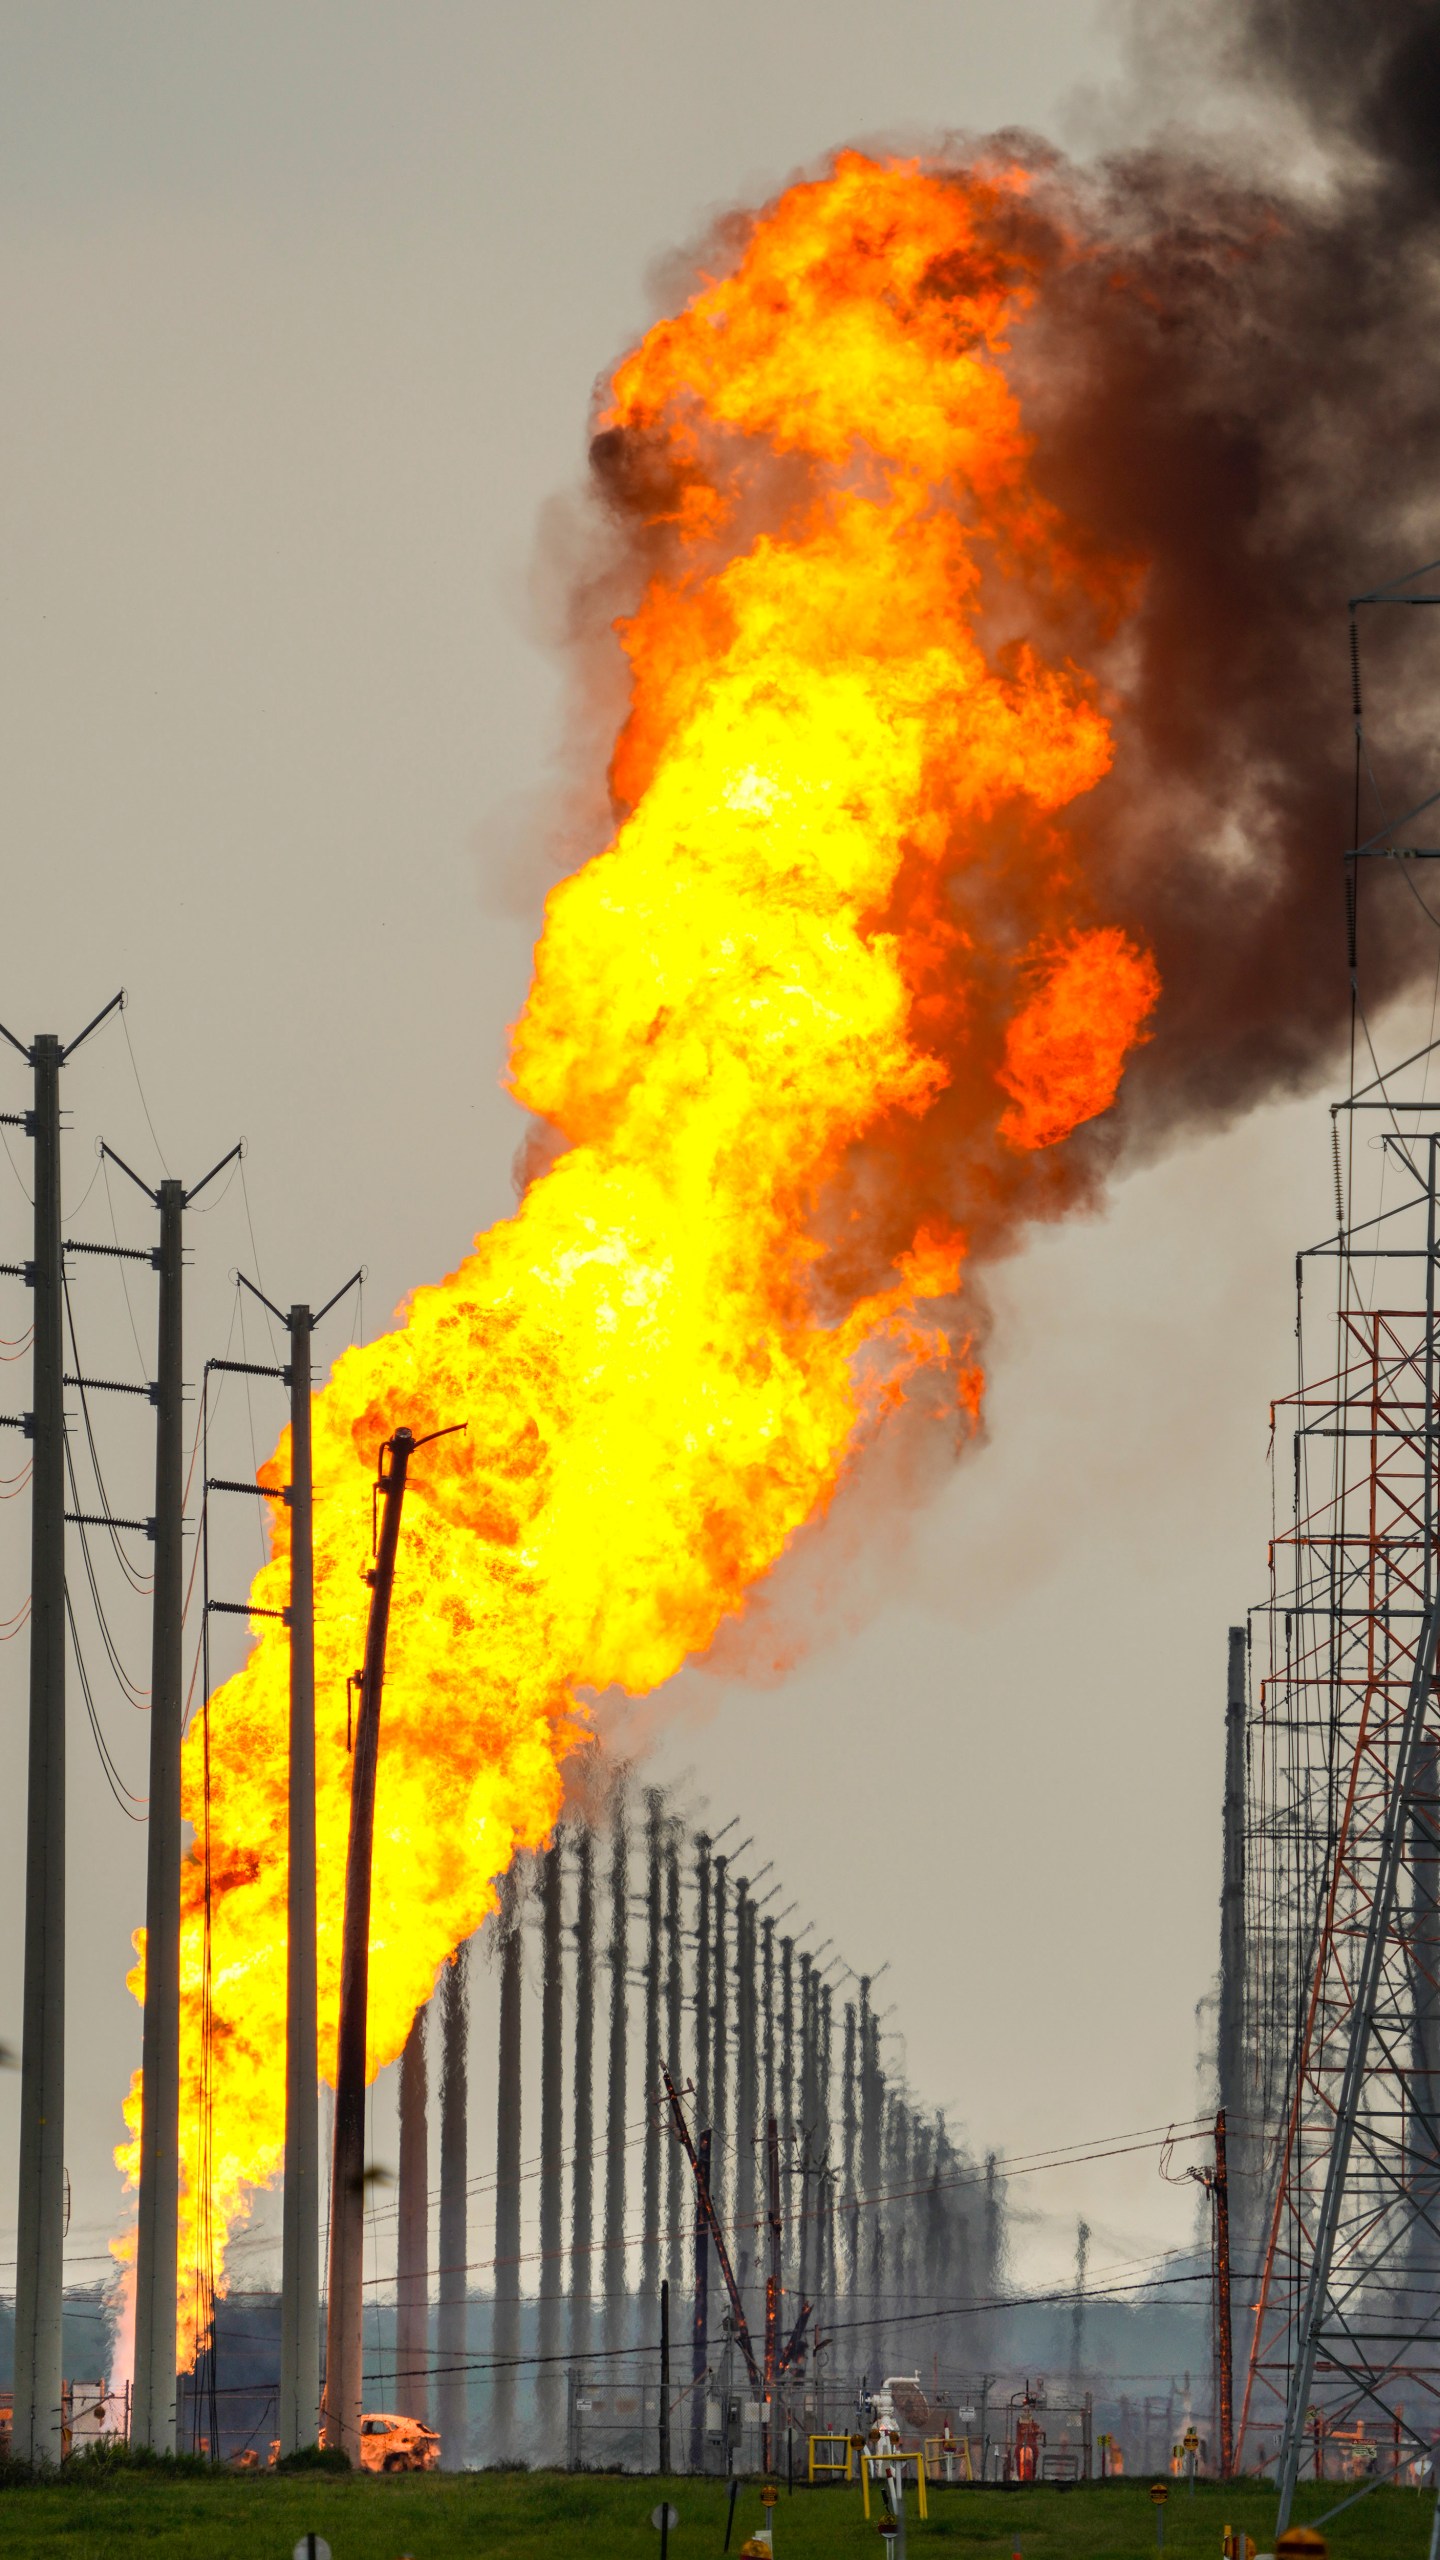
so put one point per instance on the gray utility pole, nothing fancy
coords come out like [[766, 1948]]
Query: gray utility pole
[[153, 2406], [451, 2321], [299, 2413], [344, 2333], [39, 2272]]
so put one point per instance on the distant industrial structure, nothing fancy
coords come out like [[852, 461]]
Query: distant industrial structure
[[641, 1947]]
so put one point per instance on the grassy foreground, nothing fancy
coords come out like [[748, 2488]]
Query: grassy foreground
[[522, 2516]]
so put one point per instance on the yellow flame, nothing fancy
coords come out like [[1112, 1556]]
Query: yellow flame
[[663, 1369]]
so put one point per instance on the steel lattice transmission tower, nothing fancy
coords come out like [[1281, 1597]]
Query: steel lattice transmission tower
[[1341, 2030]]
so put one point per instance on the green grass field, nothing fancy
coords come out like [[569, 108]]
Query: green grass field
[[522, 2516]]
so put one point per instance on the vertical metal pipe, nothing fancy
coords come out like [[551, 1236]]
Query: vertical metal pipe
[[900, 2182], [452, 2321], [774, 2299], [767, 2010], [39, 2277], [582, 2186], [1225, 2336], [720, 2189], [825, 2236], [664, 2447], [806, 2131], [994, 2240], [153, 2406], [650, 2173], [674, 2040], [412, 2232], [700, 2323], [344, 2342], [850, 2126], [703, 1892], [746, 2125], [549, 2388], [1077, 2307], [872, 2122], [506, 2331], [616, 2263], [787, 2080], [299, 2415]]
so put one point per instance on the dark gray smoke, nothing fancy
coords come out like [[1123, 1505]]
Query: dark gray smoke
[[1243, 386]]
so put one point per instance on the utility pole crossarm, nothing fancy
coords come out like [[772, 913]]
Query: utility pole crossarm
[[115, 1005]]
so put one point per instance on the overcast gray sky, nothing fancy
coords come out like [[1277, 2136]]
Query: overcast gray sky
[[303, 310]]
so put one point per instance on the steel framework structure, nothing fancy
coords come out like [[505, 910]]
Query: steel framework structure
[[1343, 1847], [1335, 2043]]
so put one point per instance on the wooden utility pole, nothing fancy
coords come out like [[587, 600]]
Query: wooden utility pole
[[344, 2332], [39, 2271]]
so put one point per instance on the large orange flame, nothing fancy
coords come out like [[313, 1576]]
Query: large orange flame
[[662, 1366]]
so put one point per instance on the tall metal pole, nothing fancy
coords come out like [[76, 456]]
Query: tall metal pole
[[664, 2376], [616, 2262], [39, 2279], [344, 2329], [1224, 2342], [674, 2043], [582, 2180], [787, 2076], [1230, 2038], [450, 2323], [152, 2408], [299, 2415], [650, 2171], [700, 2319], [548, 2385], [39, 2272], [772, 2286], [720, 2049], [412, 2232], [746, 2128], [702, 1981], [505, 2333]]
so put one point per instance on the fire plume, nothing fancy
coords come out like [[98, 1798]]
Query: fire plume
[[836, 888]]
